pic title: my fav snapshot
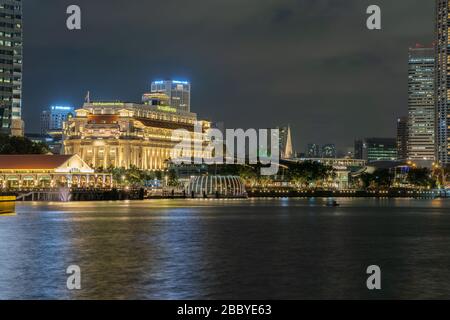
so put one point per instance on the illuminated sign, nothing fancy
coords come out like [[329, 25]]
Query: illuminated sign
[[61, 108], [174, 82], [102, 104], [166, 109], [180, 82]]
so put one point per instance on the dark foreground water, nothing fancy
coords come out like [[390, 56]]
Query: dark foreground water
[[227, 249]]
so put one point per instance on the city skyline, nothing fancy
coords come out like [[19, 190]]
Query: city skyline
[[213, 152], [288, 83]]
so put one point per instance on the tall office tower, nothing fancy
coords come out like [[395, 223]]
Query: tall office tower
[[421, 105], [313, 150], [329, 151], [286, 150], [402, 138], [376, 149], [442, 82], [11, 67], [179, 93], [358, 149], [53, 118]]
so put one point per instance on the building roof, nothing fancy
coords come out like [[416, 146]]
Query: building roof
[[165, 124], [32, 161]]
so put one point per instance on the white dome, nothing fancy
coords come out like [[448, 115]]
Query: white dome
[[212, 185]]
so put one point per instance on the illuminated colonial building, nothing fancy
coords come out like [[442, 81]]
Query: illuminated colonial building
[[48, 171], [122, 134]]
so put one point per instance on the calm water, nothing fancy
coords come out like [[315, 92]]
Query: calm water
[[227, 249]]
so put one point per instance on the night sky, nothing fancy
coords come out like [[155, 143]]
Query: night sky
[[252, 63]]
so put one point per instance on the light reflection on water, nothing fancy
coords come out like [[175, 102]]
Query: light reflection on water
[[226, 249]]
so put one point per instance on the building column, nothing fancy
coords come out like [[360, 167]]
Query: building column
[[94, 157]]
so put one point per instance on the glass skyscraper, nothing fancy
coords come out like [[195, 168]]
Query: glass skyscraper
[[53, 118], [421, 105], [402, 138], [179, 93], [313, 150], [442, 82], [376, 149], [329, 151], [11, 67]]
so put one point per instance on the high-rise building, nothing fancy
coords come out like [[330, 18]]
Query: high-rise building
[[179, 93], [402, 138], [358, 151], [313, 150], [52, 125], [442, 82], [329, 151], [421, 105], [53, 118], [376, 149], [286, 143], [11, 67]]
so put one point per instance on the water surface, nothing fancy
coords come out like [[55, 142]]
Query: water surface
[[227, 249]]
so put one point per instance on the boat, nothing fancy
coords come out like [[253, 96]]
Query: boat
[[7, 204], [332, 203]]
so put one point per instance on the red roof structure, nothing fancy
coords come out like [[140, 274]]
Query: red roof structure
[[32, 161]]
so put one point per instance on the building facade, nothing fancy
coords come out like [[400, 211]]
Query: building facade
[[53, 118], [179, 93], [118, 134], [402, 138], [442, 82], [329, 151], [376, 149], [11, 67], [313, 150], [421, 105], [24, 172]]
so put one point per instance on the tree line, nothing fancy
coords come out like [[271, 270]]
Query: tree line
[[21, 145]]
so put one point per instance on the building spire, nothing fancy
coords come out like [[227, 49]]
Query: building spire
[[88, 97], [288, 152]]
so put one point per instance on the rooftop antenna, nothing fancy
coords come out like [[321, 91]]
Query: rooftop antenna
[[88, 97]]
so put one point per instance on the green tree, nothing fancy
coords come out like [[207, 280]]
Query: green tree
[[248, 174], [421, 177], [303, 174], [172, 179], [21, 145], [132, 176], [380, 178]]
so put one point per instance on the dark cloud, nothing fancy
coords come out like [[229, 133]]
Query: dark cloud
[[253, 63], [282, 15]]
